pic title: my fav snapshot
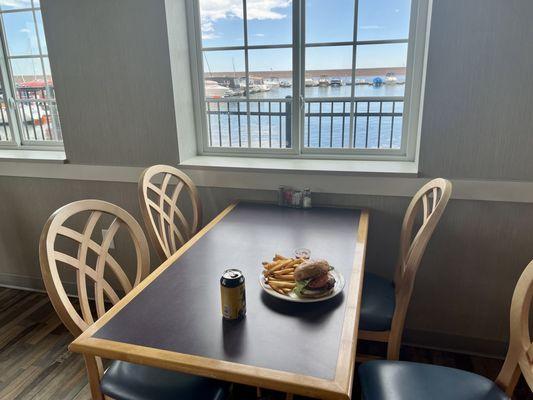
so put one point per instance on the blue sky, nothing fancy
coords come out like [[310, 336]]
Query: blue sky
[[269, 22], [21, 34]]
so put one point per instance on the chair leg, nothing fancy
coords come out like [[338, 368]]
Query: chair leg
[[289, 396], [393, 346], [94, 373]]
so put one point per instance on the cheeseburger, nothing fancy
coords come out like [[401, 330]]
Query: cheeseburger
[[313, 279]]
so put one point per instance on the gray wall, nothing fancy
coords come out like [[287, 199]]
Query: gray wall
[[477, 113], [475, 125], [112, 72]]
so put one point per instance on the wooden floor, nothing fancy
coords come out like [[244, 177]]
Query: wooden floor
[[35, 363]]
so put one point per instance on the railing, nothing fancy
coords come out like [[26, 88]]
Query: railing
[[5, 133], [249, 123], [39, 120], [368, 122], [37, 113]]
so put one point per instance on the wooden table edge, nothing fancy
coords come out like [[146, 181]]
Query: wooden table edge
[[217, 369], [338, 388], [348, 344]]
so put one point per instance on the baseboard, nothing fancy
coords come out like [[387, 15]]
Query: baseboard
[[34, 284], [417, 338], [455, 343]]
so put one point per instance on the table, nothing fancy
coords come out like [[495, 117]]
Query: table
[[173, 319]]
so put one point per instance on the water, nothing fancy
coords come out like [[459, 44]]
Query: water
[[332, 130]]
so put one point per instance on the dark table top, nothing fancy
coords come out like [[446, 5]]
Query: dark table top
[[180, 310]]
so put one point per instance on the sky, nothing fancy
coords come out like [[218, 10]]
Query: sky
[[21, 34], [270, 22]]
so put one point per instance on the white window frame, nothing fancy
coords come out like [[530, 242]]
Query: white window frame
[[15, 124], [412, 99]]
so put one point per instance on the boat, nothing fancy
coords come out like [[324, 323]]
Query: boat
[[361, 81], [215, 91], [310, 82], [323, 81], [272, 82], [390, 79], [377, 81], [285, 84], [336, 82], [263, 87]]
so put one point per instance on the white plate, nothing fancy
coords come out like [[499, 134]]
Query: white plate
[[339, 285]]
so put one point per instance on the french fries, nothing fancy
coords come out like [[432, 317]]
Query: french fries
[[279, 273]]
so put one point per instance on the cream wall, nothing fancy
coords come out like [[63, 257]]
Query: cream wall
[[476, 125]]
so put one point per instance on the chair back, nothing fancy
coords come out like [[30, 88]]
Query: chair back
[[425, 210], [163, 209], [87, 248], [519, 357], [430, 200]]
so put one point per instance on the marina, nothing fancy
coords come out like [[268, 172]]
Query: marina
[[331, 118]]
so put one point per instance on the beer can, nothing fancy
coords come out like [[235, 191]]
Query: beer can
[[233, 294]]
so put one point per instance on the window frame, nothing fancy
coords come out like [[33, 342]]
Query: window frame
[[417, 43], [15, 126]]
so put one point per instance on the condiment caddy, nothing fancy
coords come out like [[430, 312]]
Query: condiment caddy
[[289, 197]]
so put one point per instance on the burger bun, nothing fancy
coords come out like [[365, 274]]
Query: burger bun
[[311, 269]]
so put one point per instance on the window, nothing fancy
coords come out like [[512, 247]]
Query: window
[[309, 78], [28, 108]]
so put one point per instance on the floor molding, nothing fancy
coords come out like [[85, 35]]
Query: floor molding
[[31, 283], [458, 344], [374, 185]]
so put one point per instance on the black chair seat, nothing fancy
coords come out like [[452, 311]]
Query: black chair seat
[[377, 303], [399, 380], [126, 381]]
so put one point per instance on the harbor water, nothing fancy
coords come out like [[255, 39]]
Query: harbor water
[[326, 127]]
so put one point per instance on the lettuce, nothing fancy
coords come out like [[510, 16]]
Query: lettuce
[[300, 285]]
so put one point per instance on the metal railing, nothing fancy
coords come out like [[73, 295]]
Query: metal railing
[[40, 120], [37, 113], [249, 123], [364, 123]]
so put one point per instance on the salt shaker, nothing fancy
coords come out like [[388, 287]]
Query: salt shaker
[[306, 200], [281, 196], [297, 199]]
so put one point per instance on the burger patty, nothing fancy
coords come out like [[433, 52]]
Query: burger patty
[[321, 281]]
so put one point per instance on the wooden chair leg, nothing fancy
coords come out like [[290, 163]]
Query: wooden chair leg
[[258, 392], [393, 346], [94, 374], [289, 396]]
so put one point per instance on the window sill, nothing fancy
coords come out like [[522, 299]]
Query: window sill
[[55, 156], [396, 168]]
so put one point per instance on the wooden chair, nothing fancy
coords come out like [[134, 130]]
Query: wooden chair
[[384, 304], [400, 380], [167, 225], [118, 377]]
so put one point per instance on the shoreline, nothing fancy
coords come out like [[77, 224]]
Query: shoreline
[[310, 73]]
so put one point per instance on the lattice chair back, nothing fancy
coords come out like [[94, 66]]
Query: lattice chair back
[[88, 248], [424, 211], [519, 357], [430, 201], [164, 210]]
